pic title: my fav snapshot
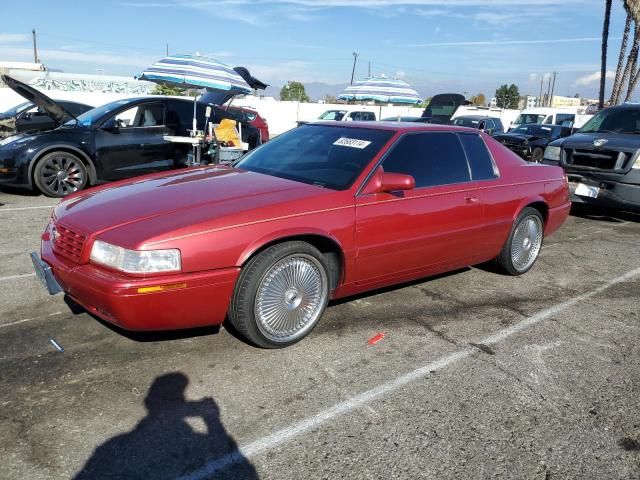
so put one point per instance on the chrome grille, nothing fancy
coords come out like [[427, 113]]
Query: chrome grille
[[68, 243]]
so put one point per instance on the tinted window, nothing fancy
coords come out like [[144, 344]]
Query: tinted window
[[74, 109], [618, 120], [478, 155], [431, 158], [144, 115], [466, 122], [565, 119], [331, 157]]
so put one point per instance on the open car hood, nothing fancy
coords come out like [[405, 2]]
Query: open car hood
[[55, 111], [220, 97]]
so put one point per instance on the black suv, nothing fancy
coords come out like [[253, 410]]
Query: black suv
[[602, 160], [118, 140]]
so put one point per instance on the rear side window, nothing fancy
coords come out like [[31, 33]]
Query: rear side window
[[478, 155], [431, 158]]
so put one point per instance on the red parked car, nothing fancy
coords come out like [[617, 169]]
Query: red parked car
[[252, 117], [321, 212]]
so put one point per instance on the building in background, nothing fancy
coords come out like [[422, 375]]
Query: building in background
[[532, 101], [560, 101]]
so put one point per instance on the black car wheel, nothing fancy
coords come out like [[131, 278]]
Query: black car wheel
[[537, 155], [57, 174]]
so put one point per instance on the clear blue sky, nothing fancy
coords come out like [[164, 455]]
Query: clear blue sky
[[455, 45]]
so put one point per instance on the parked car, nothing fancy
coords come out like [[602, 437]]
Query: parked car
[[121, 139], [323, 211], [529, 141], [489, 125], [564, 116], [401, 118], [442, 107], [345, 115], [247, 116], [28, 117], [602, 160]]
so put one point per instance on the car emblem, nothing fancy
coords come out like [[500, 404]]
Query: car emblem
[[599, 142], [54, 234]]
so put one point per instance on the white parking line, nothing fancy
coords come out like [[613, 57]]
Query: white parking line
[[16, 209], [30, 319], [310, 423], [15, 277]]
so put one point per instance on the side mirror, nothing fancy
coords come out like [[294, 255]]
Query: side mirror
[[111, 126], [207, 111], [389, 182]]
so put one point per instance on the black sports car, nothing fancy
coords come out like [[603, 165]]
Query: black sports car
[[529, 141], [118, 140]]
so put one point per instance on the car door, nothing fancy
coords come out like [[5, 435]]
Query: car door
[[132, 142], [431, 227]]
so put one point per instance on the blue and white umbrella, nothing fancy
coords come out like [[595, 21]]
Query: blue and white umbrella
[[381, 89], [194, 71]]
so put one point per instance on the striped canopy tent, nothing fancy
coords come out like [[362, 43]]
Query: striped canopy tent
[[381, 89], [194, 71]]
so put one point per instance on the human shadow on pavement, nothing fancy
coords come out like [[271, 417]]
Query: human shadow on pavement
[[163, 445]]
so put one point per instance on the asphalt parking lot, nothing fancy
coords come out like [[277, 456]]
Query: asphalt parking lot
[[479, 375]]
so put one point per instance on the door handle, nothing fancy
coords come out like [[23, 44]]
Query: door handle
[[471, 199]]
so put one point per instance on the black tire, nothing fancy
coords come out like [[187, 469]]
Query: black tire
[[537, 155], [506, 259], [243, 313], [58, 174]]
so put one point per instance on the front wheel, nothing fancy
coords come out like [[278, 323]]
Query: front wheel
[[537, 155], [280, 295], [57, 174], [524, 244]]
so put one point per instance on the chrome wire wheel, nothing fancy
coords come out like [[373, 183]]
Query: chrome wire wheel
[[62, 174], [527, 242], [290, 298]]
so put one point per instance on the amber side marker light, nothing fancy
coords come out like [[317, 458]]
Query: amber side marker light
[[162, 288], [5, 170]]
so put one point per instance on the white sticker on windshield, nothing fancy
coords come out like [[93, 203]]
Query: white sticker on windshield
[[352, 142]]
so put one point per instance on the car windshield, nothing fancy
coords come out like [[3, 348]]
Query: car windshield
[[17, 109], [323, 155], [90, 117], [332, 115], [621, 120], [535, 130], [529, 118], [466, 122], [444, 109]]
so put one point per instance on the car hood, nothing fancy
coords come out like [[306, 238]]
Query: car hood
[[55, 110], [614, 141], [173, 203], [514, 137]]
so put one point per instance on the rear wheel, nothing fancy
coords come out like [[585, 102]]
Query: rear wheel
[[537, 155], [524, 244], [280, 295], [57, 174]]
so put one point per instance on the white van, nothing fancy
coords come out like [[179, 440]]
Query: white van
[[567, 117]]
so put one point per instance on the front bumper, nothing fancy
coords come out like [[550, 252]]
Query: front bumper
[[611, 193], [202, 298]]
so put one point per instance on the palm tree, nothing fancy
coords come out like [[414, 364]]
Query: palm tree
[[603, 57], [617, 82]]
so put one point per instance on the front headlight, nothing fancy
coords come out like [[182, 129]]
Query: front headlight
[[552, 153], [136, 261]]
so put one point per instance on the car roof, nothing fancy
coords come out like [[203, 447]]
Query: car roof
[[474, 117], [395, 126]]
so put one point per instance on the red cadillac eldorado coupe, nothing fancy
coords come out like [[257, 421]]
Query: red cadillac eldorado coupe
[[324, 211]]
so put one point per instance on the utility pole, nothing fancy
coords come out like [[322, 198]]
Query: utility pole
[[548, 102], [553, 87], [369, 69], [353, 72], [540, 96], [35, 47], [167, 50]]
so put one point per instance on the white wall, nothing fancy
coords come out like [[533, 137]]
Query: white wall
[[9, 98]]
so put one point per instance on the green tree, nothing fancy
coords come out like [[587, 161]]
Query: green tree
[[294, 91], [507, 96], [480, 100], [161, 89]]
